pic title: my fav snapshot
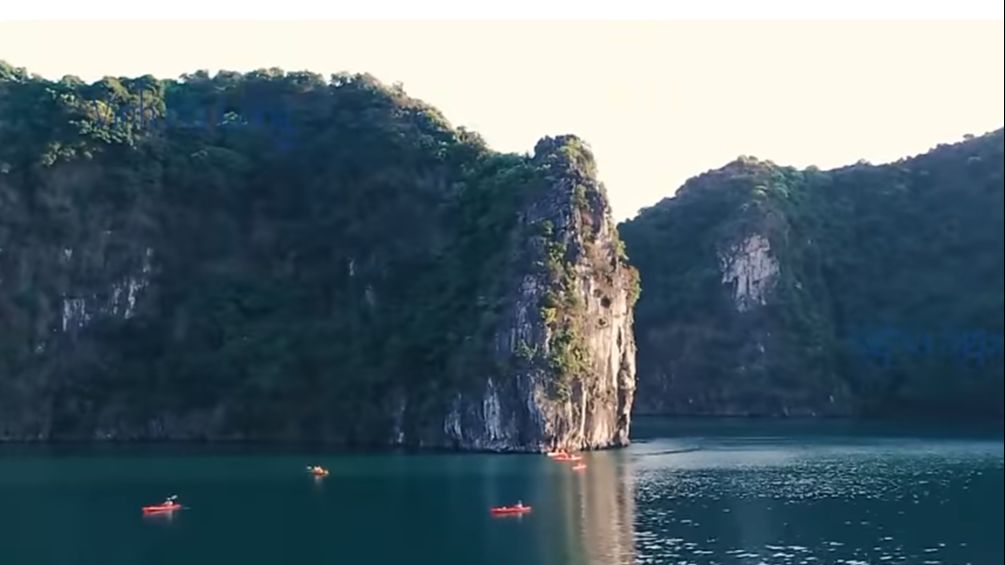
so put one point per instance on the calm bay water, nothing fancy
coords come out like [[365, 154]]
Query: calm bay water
[[696, 492]]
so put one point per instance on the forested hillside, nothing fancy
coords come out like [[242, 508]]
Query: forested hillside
[[277, 255], [862, 290]]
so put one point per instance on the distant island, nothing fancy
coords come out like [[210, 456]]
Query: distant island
[[865, 290]]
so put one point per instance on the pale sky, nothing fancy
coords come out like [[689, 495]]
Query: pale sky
[[659, 102]]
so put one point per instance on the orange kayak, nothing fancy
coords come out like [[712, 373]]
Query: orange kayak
[[554, 454], [509, 510], [160, 508], [318, 471]]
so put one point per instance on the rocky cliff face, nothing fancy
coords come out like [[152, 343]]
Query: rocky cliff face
[[531, 411], [750, 270], [380, 278], [862, 290]]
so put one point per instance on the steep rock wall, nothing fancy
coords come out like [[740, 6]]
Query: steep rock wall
[[526, 412]]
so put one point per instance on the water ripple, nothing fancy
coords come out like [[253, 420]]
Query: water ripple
[[884, 502]]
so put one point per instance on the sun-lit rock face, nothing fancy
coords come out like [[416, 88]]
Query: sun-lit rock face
[[593, 409], [750, 269]]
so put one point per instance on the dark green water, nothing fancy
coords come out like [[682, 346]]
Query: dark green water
[[685, 492]]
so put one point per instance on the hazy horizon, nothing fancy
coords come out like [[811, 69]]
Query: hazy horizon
[[659, 102]]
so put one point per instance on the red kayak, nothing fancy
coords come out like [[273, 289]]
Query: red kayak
[[161, 508], [509, 510]]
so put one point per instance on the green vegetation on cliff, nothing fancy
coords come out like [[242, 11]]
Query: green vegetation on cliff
[[267, 254], [876, 289]]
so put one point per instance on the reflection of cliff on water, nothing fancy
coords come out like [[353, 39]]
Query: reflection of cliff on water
[[596, 512], [608, 509]]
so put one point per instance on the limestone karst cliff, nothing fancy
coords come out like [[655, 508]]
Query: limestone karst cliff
[[276, 256], [572, 318]]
